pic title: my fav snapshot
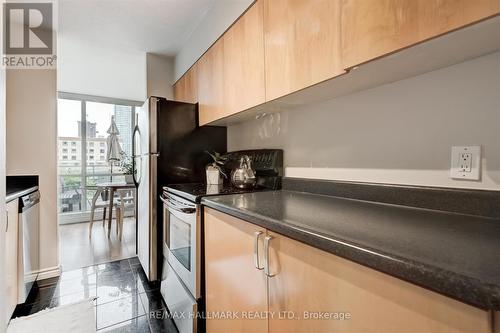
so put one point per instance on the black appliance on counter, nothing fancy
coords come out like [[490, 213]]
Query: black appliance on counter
[[182, 283], [268, 166], [168, 147]]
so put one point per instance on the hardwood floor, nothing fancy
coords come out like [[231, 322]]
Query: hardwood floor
[[77, 250]]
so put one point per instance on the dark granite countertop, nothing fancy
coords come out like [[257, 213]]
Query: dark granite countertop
[[14, 193], [17, 186], [196, 191], [454, 254]]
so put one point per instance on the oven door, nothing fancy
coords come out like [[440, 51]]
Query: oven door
[[181, 240]]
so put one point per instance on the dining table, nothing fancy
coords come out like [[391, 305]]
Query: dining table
[[112, 187]]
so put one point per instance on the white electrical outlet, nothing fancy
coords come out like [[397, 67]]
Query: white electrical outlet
[[466, 162]]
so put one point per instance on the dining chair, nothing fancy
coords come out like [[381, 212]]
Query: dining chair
[[126, 200], [103, 194]]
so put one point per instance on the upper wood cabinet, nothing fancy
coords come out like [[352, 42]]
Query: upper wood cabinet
[[281, 46], [244, 85], [211, 84], [186, 88], [10, 256], [302, 44], [371, 29], [233, 284]]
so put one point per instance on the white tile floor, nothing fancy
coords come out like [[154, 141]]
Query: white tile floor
[[77, 250]]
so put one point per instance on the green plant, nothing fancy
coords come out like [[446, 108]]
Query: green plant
[[218, 161], [126, 164]]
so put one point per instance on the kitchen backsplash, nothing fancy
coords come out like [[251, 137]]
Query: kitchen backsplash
[[399, 133]]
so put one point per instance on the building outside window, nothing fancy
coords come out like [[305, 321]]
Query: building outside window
[[92, 116]]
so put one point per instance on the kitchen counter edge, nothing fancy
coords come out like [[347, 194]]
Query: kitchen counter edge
[[465, 289], [19, 193]]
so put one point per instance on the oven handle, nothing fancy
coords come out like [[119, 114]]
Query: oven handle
[[182, 210]]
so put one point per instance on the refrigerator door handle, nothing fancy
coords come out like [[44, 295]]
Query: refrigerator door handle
[[148, 154], [136, 136]]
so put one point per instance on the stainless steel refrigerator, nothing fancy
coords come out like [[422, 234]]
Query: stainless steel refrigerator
[[168, 148]]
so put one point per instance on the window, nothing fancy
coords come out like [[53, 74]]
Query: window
[[83, 122]]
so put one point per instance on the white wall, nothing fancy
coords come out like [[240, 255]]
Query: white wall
[[397, 133], [32, 147], [160, 76], [218, 18], [93, 69], [2, 189]]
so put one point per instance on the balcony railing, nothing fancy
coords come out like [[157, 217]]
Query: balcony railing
[[76, 196]]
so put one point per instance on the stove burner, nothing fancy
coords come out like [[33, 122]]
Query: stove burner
[[198, 190]]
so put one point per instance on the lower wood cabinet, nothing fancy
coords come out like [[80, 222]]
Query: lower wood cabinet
[[314, 291], [10, 256], [233, 284]]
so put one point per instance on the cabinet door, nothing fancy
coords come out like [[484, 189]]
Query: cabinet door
[[302, 44], [244, 62], [186, 88], [211, 84], [233, 284], [11, 252], [310, 281], [371, 29]]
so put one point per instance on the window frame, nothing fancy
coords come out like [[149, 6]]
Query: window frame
[[82, 215]]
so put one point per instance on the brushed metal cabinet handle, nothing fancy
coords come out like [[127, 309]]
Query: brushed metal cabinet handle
[[256, 260], [267, 240]]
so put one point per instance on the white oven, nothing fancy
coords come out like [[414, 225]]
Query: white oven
[[181, 270]]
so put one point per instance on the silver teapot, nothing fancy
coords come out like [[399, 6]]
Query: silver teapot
[[244, 176]]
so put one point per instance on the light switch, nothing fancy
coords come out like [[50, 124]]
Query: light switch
[[466, 162]]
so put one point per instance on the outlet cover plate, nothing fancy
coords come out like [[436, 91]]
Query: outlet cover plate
[[466, 162]]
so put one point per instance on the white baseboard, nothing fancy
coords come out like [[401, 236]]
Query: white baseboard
[[49, 272], [83, 217]]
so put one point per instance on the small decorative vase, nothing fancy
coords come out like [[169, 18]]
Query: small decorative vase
[[213, 176], [129, 179]]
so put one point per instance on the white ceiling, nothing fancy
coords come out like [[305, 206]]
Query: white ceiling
[[156, 26]]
